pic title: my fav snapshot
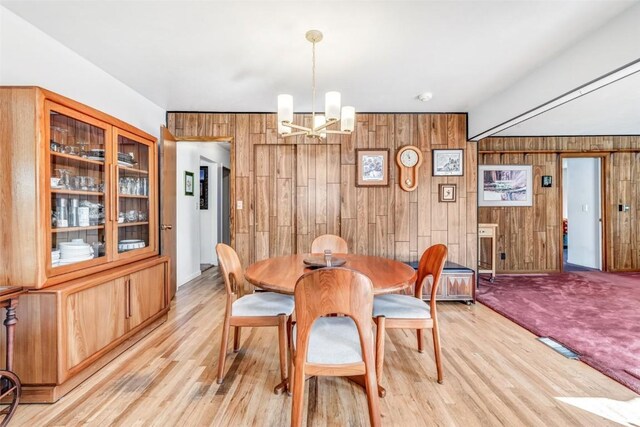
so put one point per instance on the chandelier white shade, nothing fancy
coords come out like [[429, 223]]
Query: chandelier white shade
[[333, 112]]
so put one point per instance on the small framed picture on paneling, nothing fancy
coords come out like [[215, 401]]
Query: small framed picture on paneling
[[447, 192], [448, 162], [372, 167], [188, 183], [505, 185], [547, 181]]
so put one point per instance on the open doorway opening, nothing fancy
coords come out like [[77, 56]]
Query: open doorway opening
[[582, 213], [208, 212]]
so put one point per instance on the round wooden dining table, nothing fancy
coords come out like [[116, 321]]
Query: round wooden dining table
[[280, 274]]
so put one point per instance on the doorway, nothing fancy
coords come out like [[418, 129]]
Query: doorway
[[582, 214]]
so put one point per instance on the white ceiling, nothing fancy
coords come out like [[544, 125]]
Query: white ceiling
[[237, 56], [611, 110]]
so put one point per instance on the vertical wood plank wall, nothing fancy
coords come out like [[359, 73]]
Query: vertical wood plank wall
[[530, 236], [293, 191]]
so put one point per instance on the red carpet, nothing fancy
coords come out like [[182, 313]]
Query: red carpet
[[597, 315]]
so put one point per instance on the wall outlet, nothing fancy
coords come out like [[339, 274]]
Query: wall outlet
[[503, 256]]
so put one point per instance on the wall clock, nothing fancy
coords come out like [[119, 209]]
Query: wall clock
[[409, 159]]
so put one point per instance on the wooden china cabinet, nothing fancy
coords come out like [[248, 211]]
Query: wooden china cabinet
[[78, 226]]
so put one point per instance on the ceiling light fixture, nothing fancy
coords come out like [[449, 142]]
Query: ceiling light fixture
[[332, 111]]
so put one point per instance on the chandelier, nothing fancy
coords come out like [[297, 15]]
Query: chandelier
[[332, 111]]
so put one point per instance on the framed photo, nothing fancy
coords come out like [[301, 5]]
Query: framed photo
[[188, 183], [500, 185], [448, 162], [447, 193], [547, 181], [204, 187], [372, 167]]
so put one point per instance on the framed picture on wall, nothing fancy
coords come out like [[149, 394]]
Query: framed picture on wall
[[188, 183], [204, 187], [505, 185], [448, 162], [372, 167], [447, 193]]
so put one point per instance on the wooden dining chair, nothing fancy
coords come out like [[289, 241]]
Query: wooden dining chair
[[333, 346], [410, 311], [251, 310], [335, 244]]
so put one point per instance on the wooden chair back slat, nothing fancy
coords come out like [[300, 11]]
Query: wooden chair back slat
[[231, 270], [335, 244], [431, 264]]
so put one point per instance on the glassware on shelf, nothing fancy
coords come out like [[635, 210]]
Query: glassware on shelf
[[65, 178], [59, 137], [142, 216], [132, 216], [62, 213], [73, 212]]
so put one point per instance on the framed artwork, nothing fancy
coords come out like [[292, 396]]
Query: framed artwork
[[505, 185], [448, 162], [447, 193], [188, 183], [372, 167], [547, 181]]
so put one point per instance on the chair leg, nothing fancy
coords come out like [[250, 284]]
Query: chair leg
[[223, 348], [436, 348], [380, 337], [291, 355], [297, 404], [236, 339], [420, 341], [282, 340], [371, 383]]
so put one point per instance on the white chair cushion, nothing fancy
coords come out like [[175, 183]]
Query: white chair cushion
[[400, 307], [333, 341], [263, 304]]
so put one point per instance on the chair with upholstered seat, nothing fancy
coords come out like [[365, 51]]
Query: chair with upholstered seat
[[333, 346], [251, 310], [410, 311], [331, 242]]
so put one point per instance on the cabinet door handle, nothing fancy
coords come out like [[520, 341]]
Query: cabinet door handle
[[127, 285], [166, 227]]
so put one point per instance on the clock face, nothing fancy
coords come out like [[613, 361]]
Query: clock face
[[409, 158]]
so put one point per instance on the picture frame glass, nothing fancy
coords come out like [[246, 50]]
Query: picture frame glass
[[188, 183], [505, 185], [448, 162], [372, 168]]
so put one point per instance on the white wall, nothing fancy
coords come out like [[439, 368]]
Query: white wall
[[583, 206], [612, 46], [29, 57], [188, 226]]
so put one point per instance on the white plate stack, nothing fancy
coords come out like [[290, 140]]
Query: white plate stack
[[55, 258], [75, 251]]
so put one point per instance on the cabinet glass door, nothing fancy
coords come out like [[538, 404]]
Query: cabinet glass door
[[134, 168], [77, 185]]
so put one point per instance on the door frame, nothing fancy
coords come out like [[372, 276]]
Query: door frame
[[232, 173], [604, 202]]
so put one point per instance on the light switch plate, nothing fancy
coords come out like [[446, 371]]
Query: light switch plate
[[239, 205]]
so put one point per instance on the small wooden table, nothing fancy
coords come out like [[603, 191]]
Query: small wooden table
[[280, 274], [9, 382], [488, 231]]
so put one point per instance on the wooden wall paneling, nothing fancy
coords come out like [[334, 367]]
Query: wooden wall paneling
[[621, 183], [383, 221]]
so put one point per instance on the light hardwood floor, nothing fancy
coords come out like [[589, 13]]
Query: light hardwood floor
[[496, 373]]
